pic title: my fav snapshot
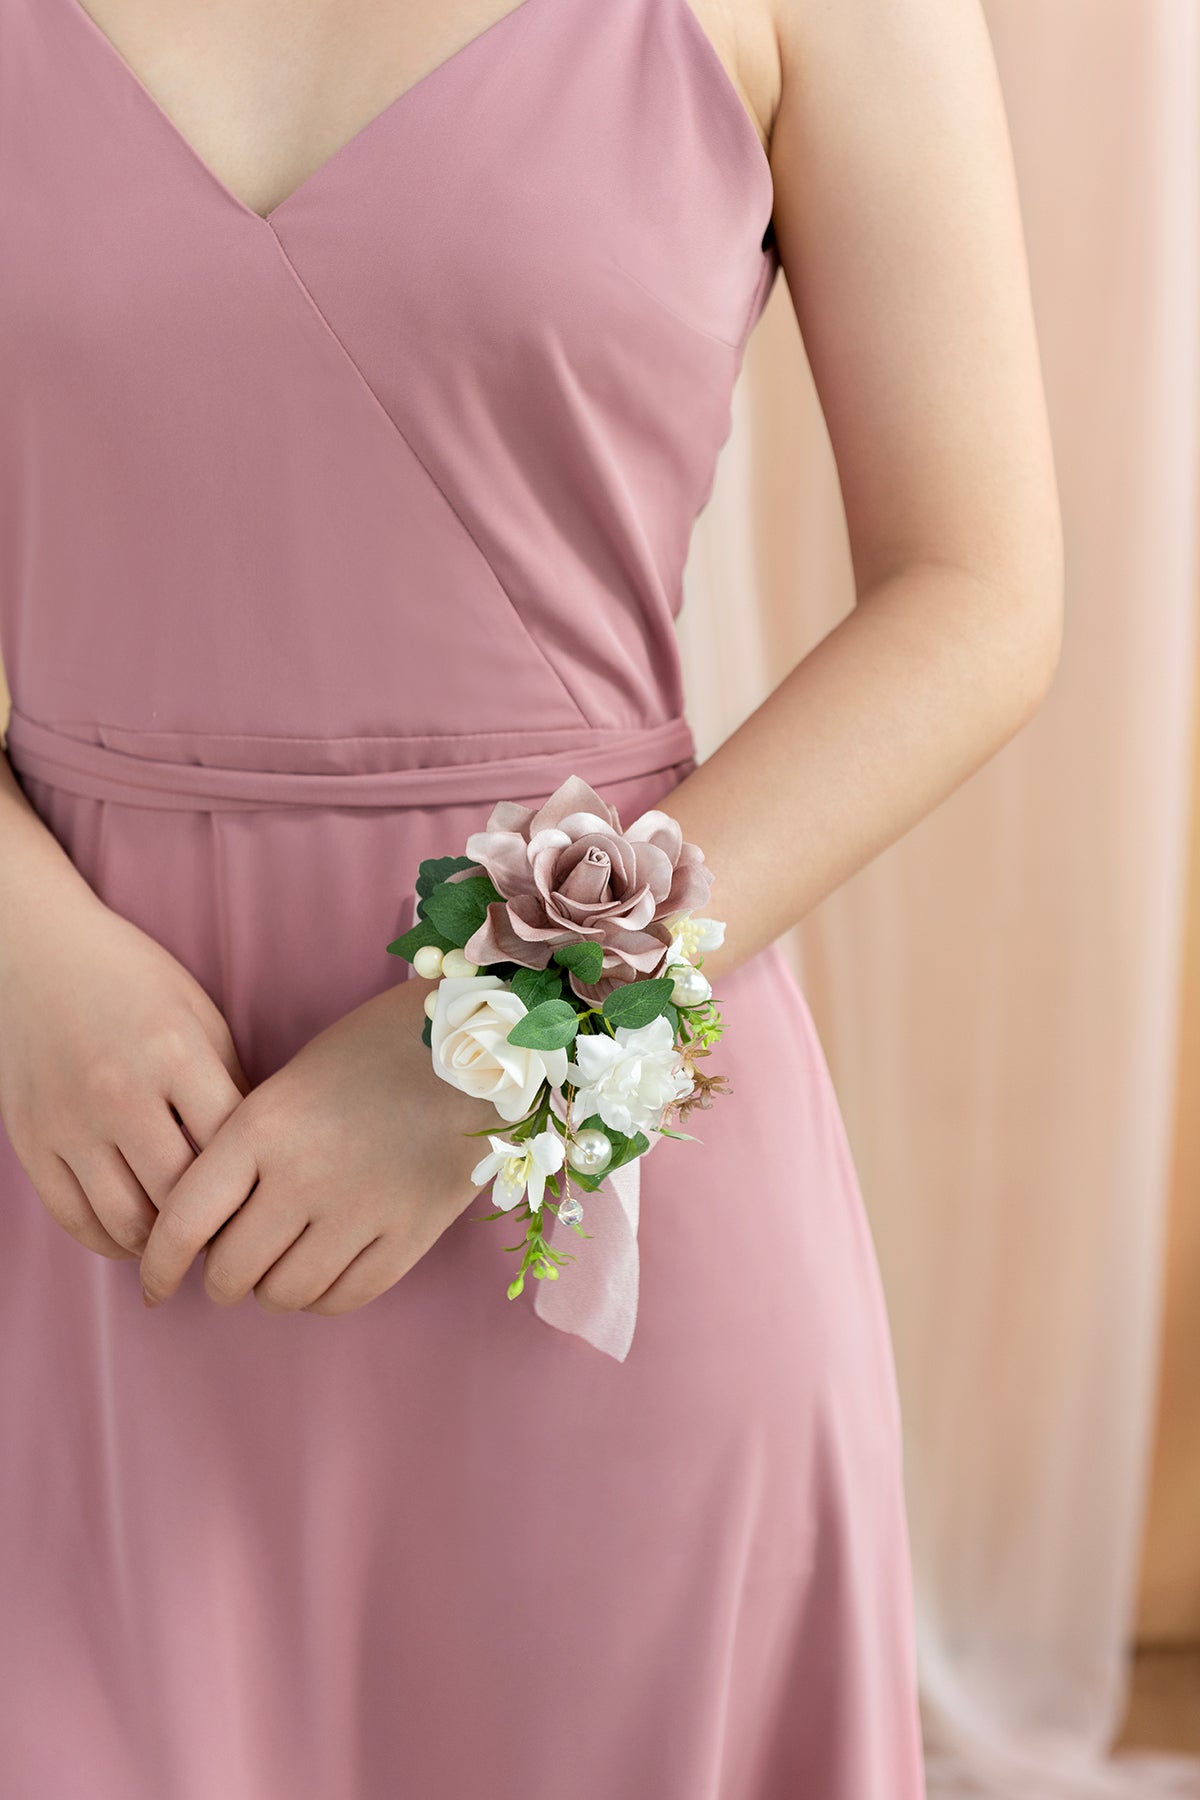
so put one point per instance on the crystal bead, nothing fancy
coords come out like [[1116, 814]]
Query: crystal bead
[[570, 1211]]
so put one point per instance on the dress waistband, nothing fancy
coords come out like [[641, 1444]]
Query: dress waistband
[[522, 765]]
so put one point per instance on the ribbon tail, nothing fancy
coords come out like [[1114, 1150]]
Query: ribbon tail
[[596, 1296]]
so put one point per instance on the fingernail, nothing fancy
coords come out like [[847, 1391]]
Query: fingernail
[[146, 1300]]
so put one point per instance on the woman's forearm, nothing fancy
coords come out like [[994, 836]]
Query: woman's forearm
[[35, 870], [931, 673], [924, 680]]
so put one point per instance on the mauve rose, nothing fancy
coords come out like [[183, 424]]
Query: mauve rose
[[570, 874]]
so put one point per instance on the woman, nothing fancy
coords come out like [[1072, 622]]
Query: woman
[[362, 373]]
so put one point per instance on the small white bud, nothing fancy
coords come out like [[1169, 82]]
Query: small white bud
[[431, 1003], [428, 962], [454, 963]]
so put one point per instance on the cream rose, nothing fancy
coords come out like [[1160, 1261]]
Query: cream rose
[[472, 1017]]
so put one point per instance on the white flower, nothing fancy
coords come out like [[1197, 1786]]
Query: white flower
[[690, 936], [630, 1078], [520, 1166], [472, 1017]]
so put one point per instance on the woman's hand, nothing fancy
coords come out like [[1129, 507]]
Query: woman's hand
[[102, 1034], [333, 1177]]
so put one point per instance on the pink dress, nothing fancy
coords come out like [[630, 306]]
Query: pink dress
[[319, 533]]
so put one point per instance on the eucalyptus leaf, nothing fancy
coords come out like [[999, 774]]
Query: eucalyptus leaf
[[550, 1026], [624, 1150], [532, 986], [422, 933], [633, 1147], [637, 1002], [589, 1183], [585, 959], [459, 908], [435, 869]]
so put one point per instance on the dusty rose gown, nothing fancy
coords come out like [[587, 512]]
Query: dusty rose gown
[[319, 533]]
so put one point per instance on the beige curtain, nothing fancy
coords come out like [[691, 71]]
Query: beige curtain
[[998, 993]]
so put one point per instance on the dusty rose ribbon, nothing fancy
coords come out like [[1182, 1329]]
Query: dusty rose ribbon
[[596, 1296]]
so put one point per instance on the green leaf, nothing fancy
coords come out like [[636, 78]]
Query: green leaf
[[532, 986], [427, 1031], [635, 1003], [630, 1148], [458, 908], [589, 1183], [422, 933], [624, 1150], [550, 1026], [435, 869], [585, 959]]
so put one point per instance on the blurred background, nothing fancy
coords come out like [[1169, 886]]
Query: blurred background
[[1009, 998]]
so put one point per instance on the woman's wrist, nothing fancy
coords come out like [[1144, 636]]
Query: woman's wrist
[[37, 875], [475, 1114], [43, 900]]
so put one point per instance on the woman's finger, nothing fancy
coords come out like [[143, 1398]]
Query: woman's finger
[[157, 1151], [314, 1263], [114, 1194], [216, 1030], [208, 1193], [244, 1249], [373, 1271], [60, 1192], [207, 1098]]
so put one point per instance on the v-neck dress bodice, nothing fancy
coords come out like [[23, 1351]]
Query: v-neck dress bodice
[[320, 532], [484, 355]]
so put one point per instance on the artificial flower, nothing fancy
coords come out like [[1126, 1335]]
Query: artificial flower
[[520, 1170], [628, 1079], [568, 874], [691, 937], [472, 1017]]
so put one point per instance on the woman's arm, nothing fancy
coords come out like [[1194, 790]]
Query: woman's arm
[[898, 229], [34, 867], [896, 215], [106, 1043]]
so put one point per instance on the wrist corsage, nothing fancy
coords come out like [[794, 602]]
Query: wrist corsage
[[586, 1030]]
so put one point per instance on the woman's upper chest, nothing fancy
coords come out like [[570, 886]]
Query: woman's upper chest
[[265, 110]]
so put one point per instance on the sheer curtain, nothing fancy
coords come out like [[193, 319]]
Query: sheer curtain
[[998, 992]]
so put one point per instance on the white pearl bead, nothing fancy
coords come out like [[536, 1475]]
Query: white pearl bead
[[455, 963], [692, 987], [428, 962], [589, 1150], [431, 1003]]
